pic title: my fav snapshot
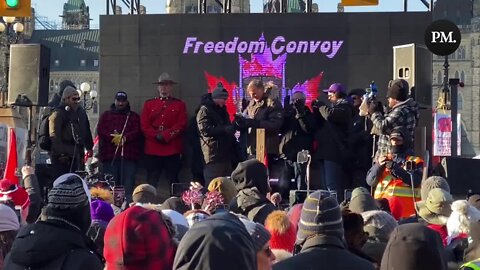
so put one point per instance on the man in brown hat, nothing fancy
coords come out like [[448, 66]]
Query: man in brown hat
[[163, 121]]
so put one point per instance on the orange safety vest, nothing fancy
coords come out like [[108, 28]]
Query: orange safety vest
[[396, 191]]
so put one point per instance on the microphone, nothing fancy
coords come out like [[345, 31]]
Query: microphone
[[67, 108]]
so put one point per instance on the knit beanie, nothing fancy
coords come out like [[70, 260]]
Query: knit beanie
[[8, 219], [144, 193], [251, 173], [431, 183], [379, 224], [398, 89], [220, 92], [100, 210], [294, 214], [282, 230], [321, 214], [68, 201], [260, 236], [362, 201], [68, 92], [225, 186]]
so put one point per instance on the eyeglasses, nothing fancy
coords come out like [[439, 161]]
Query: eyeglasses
[[75, 98]]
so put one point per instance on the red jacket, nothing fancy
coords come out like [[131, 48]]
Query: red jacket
[[165, 116], [113, 120]]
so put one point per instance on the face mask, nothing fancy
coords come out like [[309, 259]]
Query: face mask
[[398, 149]]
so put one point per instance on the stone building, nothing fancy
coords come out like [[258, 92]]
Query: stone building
[[75, 15], [465, 65], [74, 55], [191, 6]]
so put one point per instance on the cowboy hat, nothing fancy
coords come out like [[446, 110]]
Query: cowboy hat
[[165, 78]]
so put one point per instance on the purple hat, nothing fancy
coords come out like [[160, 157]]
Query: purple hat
[[334, 88], [101, 210]]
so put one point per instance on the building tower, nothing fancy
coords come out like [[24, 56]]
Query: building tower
[[76, 15]]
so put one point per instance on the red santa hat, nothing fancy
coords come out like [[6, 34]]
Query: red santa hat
[[9, 191], [283, 232]]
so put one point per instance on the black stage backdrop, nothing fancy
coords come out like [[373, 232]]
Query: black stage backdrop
[[298, 52]]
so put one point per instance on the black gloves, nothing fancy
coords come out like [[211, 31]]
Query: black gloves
[[251, 123], [299, 106], [375, 106], [242, 122], [160, 138]]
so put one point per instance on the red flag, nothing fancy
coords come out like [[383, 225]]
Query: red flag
[[12, 162]]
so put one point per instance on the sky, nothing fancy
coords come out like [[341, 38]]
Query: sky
[[52, 9]]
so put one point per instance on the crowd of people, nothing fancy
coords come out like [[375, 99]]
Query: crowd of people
[[232, 216]]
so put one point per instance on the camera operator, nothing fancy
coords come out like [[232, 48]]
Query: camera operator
[[392, 175], [403, 113], [69, 131], [298, 129]]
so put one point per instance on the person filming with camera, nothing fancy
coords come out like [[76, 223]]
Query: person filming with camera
[[393, 174]]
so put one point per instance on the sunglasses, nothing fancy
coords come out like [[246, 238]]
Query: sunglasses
[[75, 98]]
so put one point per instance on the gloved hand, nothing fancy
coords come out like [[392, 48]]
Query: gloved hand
[[239, 122], [229, 129], [116, 138], [299, 105], [375, 106], [160, 138]]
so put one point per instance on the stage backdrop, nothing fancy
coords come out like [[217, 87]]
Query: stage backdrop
[[305, 52]]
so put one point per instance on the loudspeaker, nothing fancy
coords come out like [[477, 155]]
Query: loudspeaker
[[29, 74], [462, 175], [413, 63]]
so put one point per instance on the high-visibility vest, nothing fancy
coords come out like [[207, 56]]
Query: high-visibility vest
[[395, 190], [474, 265]]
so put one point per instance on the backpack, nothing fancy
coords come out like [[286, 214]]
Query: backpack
[[44, 140]]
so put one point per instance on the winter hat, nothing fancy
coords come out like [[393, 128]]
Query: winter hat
[[194, 216], [436, 208], [398, 89], [68, 194], [68, 92], [68, 201], [121, 96], [379, 224], [321, 214], [8, 219], [12, 192], [474, 200], [413, 246], [294, 214], [251, 173], [362, 201], [431, 183], [260, 236], [101, 210], [138, 239], [220, 92], [462, 215], [225, 186], [144, 193], [179, 221], [283, 232]]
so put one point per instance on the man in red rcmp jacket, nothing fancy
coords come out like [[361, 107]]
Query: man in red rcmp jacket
[[163, 122]]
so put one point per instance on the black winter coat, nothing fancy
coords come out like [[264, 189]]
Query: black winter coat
[[298, 129], [335, 123], [216, 132], [45, 245], [324, 252]]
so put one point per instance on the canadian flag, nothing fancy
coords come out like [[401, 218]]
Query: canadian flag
[[12, 163]]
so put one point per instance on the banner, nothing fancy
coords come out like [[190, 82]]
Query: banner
[[442, 134]]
